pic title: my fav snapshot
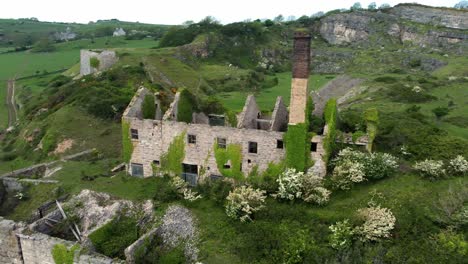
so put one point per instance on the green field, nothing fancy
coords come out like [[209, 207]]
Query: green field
[[22, 64], [266, 98]]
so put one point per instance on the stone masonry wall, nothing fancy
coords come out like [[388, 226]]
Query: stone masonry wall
[[249, 115], [280, 116], [298, 101], [9, 250], [107, 59], [156, 136]]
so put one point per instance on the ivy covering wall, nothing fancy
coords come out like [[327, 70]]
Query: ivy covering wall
[[232, 154], [172, 160], [127, 146], [148, 107], [330, 115], [297, 141], [62, 255], [186, 106], [371, 116]]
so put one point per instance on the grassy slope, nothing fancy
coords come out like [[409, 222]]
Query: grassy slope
[[266, 98]]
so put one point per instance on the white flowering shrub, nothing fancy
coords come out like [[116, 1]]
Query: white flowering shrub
[[374, 165], [458, 166], [183, 189], [243, 202], [341, 235], [290, 184], [298, 185], [432, 169], [347, 173], [378, 223]]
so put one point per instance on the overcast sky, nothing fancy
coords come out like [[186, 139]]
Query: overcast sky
[[176, 11]]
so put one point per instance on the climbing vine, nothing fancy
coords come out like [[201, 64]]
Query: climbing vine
[[186, 106], [62, 255], [330, 114], [371, 116], [127, 146], [172, 160], [231, 154]]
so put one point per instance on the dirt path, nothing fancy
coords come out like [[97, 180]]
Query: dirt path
[[12, 111], [336, 88]]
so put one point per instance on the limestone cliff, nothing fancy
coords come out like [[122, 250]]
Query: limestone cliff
[[452, 18]]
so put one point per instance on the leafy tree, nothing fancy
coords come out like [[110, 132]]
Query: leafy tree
[[43, 45], [356, 6], [318, 15], [279, 19], [440, 112], [149, 107], [372, 6], [462, 5]]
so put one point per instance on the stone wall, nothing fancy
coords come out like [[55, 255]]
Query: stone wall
[[280, 116], [156, 136], [107, 59], [249, 115], [9, 249]]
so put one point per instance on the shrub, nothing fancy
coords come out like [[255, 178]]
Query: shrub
[[186, 106], [297, 185], [165, 192], [243, 202], [127, 145], [148, 107], [432, 169], [458, 165], [452, 242], [347, 173], [378, 223], [375, 165], [342, 235], [183, 189]]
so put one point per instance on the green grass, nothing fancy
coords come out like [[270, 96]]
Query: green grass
[[121, 186], [37, 195], [266, 98], [22, 64]]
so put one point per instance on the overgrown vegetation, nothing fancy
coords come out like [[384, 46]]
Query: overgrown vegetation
[[229, 161], [148, 107], [172, 160], [127, 145], [331, 117], [112, 238], [63, 255]]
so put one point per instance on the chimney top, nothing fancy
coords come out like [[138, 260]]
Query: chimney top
[[301, 33]]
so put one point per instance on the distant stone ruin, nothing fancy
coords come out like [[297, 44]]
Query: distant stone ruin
[[92, 61], [119, 32]]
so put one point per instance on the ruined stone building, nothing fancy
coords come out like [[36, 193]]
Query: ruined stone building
[[105, 59], [260, 137]]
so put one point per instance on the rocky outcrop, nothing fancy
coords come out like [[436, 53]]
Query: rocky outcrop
[[445, 17], [327, 61], [345, 28]]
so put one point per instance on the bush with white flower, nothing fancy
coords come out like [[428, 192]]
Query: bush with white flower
[[378, 223], [347, 173], [290, 184], [432, 169], [183, 189], [243, 202], [373, 165], [458, 166], [298, 185], [342, 235]]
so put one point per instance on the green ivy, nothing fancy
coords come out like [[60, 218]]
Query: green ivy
[[62, 255], [172, 160], [148, 107], [371, 116], [94, 62], [233, 153], [186, 106], [127, 146], [357, 135], [297, 145], [330, 114]]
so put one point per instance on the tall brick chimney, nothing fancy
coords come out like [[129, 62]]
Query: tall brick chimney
[[299, 91]]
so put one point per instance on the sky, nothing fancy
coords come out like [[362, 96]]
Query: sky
[[174, 12]]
